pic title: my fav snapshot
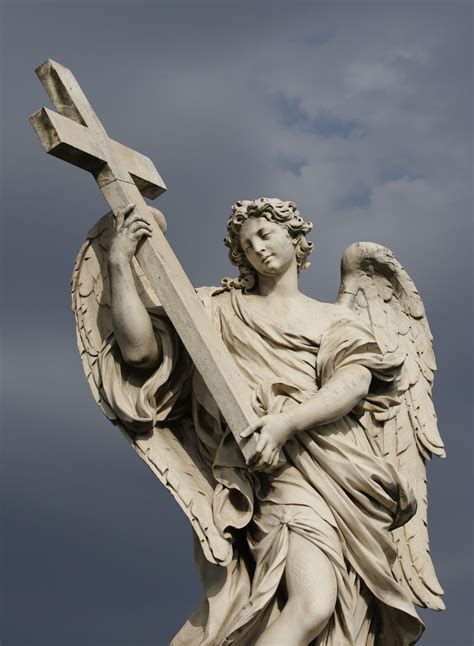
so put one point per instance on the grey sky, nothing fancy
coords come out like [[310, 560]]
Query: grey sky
[[362, 114]]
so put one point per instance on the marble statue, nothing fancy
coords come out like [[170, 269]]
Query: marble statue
[[301, 465], [327, 543]]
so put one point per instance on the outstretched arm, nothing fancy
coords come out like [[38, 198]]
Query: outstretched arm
[[132, 324], [336, 398]]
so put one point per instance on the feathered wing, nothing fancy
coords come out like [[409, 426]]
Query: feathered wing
[[380, 291], [169, 451]]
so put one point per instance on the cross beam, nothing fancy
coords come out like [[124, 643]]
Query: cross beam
[[77, 136]]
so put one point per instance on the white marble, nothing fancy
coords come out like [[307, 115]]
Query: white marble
[[293, 433]]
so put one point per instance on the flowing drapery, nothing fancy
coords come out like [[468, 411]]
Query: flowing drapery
[[333, 489]]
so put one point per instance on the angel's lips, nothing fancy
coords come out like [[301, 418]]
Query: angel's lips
[[267, 258]]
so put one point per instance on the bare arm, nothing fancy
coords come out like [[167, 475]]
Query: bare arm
[[336, 398], [132, 324]]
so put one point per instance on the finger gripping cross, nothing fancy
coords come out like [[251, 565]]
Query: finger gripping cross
[[77, 136]]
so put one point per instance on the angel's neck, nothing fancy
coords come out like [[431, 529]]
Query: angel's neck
[[283, 286]]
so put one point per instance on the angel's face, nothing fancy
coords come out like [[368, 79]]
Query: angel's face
[[267, 246]]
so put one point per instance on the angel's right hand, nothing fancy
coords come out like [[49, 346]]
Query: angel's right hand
[[130, 228]]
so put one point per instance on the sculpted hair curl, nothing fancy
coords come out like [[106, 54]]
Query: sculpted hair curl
[[285, 214]]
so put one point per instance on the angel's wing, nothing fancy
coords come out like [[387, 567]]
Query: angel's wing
[[378, 289], [170, 452]]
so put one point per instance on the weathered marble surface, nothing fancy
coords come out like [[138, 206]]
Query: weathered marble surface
[[123, 175], [345, 422], [293, 433]]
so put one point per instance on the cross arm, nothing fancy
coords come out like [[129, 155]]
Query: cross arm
[[190, 320], [72, 142], [66, 94], [123, 175], [67, 140]]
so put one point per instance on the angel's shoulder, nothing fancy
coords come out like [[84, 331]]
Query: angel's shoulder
[[320, 317], [214, 299], [207, 294], [330, 313], [339, 312], [218, 294]]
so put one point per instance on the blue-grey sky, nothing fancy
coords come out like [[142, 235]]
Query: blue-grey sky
[[362, 114]]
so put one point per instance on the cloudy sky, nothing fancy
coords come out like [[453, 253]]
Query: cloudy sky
[[362, 114]]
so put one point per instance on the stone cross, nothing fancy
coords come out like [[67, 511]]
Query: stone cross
[[124, 175]]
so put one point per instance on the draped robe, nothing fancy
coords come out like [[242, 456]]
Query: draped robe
[[332, 488]]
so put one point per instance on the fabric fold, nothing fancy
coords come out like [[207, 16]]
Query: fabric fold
[[143, 398], [332, 488]]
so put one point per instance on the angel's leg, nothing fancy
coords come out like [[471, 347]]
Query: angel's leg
[[312, 590]]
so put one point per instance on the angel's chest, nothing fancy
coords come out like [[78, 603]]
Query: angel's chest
[[293, 321], [287, 350]]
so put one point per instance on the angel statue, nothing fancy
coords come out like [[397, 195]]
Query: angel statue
[[321, 536]]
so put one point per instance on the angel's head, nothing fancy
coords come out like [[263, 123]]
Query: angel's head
[[263, 236]]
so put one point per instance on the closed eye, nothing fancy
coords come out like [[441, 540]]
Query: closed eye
[[264, 234]]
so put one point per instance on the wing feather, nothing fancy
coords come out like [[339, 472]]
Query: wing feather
[[169, 452], [378, 289]]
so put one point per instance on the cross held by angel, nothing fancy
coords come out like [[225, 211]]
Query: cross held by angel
[[310, 526], [325, 522]]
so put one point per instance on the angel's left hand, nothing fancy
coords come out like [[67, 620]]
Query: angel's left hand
[[273, 431]]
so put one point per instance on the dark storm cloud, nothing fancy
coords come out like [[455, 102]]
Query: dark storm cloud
[[324, 124], [361, 113]]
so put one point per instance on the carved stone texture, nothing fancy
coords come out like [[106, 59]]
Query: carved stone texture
[[77, 136], [297, 449]]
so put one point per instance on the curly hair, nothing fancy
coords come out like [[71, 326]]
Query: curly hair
[[285, 214]]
